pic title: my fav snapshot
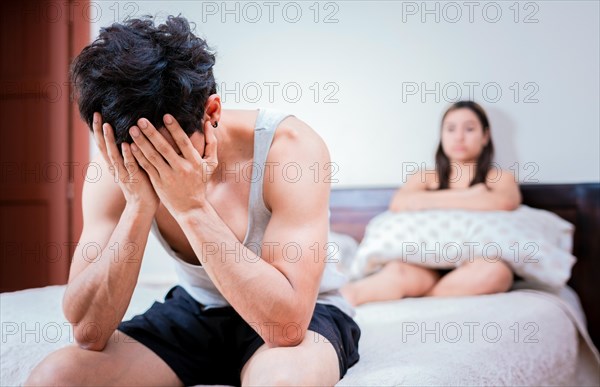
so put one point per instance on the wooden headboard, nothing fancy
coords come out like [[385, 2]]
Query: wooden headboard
[[351, 210]]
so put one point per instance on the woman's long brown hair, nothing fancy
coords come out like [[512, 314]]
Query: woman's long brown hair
[[484, 161]]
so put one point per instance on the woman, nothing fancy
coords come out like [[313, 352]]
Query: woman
[[463, 178]]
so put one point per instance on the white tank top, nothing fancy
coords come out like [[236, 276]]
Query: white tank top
[[195, 280]]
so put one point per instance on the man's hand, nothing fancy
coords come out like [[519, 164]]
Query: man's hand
[[132, 179], [179, 180]]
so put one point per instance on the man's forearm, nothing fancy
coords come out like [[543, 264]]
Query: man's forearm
[[96, 300], [259, 292]]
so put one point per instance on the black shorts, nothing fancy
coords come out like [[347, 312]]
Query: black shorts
[[210, 346]]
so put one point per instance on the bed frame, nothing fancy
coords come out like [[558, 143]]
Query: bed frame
[[351, 210]]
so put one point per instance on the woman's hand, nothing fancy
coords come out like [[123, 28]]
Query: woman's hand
[[132, 179], [478, 189], [179, 180]]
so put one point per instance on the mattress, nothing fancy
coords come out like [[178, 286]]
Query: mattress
[[523, 337]]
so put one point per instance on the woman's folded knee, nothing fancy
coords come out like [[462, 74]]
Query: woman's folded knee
[[502, 276], [495, 276]]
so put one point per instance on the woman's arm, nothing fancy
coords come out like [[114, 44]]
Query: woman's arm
[[415, 185], [501, 193]]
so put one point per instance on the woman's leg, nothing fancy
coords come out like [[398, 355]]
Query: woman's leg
[[394, 281], [476, 277]]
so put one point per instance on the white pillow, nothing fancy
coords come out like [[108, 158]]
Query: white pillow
[[535, 243], [341, 251]]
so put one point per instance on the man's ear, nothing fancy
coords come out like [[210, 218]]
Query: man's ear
[[212, 108]]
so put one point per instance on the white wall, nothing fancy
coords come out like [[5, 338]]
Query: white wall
[[369, 55]]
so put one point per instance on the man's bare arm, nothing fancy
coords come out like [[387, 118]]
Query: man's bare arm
[[275, 292], [106, 262], [117, 212]]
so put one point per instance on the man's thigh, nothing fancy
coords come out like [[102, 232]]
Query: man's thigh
[[314, 362], [123, 361]]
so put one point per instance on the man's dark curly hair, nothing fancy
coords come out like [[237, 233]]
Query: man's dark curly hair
[[135, 69]]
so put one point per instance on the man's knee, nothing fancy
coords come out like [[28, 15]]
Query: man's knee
[[58, 368], [279, 366], [273, 377]]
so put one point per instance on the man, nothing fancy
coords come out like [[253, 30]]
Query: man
[[257, 303]]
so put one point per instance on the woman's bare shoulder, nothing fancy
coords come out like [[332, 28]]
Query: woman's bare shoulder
[[421, 180], [430, 176]]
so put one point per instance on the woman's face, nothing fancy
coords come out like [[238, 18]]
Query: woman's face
[[463, 138]]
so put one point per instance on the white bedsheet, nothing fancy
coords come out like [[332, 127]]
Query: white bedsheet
[[524, 337]]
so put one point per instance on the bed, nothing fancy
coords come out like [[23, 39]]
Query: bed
[[527, 336]]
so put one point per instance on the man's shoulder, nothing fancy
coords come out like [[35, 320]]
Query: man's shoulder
[[293, 134], [299, 162]]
